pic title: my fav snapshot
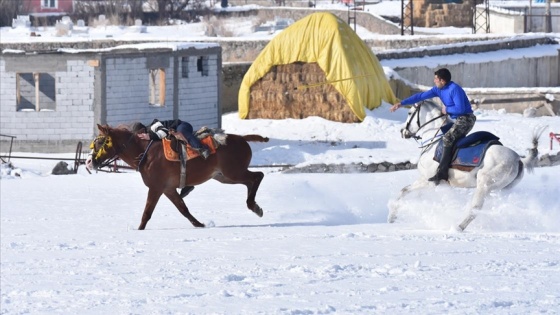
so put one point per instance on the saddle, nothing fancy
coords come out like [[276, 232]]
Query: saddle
[[172, 145], [469, 151]]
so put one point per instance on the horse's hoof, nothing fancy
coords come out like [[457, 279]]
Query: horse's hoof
[[197, 224], [258, 211], [457, 229]]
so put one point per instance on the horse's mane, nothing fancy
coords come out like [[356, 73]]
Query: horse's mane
[[431, 104], [130, 127]]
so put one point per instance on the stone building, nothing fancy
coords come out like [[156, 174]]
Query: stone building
[[51, 101]]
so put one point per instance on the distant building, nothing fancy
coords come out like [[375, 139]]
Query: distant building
[[48, 6], [52, 101]]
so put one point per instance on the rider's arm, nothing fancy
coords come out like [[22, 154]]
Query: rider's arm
[[158, 131], [418, 97]]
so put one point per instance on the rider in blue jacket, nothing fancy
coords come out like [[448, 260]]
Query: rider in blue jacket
[[457, 106]]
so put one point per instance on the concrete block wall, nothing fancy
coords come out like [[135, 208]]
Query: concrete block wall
[[199, 95], [7, 100], [502, 21], [524, 72], [64, 127], [128, 91], [519, 20], [106, 88], [75, 98]]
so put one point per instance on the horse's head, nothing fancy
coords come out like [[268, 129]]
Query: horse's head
[[413, 122], [114, 143], [422, 115], [102, 147]]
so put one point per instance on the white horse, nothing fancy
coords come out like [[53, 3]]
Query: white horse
[[501, 167]]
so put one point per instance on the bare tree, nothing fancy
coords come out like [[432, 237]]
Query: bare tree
[[123, 11], [10, 9], [170, 8]]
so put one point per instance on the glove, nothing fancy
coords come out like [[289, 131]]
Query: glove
[[159, 130]]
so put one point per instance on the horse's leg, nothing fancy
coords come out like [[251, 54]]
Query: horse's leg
[[392, 217], [251, 180], [405, 191], [493, 176], [252, 193], [151, 202], [477, 201], [182, 207]]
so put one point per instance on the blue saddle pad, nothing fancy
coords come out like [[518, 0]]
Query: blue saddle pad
[[470, 150]]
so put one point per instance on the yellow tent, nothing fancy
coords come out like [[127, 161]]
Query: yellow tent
[[322, 38]]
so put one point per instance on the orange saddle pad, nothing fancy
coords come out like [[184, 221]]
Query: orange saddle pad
[[191, 153]]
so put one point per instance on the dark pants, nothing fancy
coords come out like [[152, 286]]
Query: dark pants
[[187, 130], [461, 127]]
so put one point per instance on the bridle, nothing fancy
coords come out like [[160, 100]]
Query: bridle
[[416, 113], [107, 144]]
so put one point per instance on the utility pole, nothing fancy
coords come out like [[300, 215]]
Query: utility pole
[[530, 16], [481, 19], [407, 17], [547, 18]]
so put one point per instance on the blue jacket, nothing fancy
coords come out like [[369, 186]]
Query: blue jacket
[[452, 95]]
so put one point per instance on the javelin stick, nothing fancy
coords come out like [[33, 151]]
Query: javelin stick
[[303, 87]]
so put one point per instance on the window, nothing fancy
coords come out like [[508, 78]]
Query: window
[[157, 87], [202, 65], [35, 92], [49, 3], [185, 67]]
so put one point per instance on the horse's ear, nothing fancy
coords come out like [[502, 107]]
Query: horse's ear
[[103, 129]]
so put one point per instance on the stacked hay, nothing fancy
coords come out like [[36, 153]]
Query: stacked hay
[[295, 91]]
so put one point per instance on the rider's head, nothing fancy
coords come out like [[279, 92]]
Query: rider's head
[[442, 77], [139, 127]]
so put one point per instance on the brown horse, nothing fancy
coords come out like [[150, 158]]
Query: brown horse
[[228, 165]]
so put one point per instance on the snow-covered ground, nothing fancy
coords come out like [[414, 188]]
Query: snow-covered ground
[[69, 243]]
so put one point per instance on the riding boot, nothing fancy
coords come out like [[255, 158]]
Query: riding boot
[[443, 168], [185, 191]]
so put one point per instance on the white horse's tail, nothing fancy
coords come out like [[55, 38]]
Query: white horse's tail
[[530, 161]]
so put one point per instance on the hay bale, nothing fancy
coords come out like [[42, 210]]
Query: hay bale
[[288, 91]]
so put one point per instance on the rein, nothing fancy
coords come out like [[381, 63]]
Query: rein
[[425, 146], [420, 126], [143, 155]]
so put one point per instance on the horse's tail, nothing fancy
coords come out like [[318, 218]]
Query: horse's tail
[[255, 138], [531, 160]]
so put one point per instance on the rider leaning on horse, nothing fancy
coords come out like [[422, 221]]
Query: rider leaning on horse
[[456, 105], [160, 129]]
